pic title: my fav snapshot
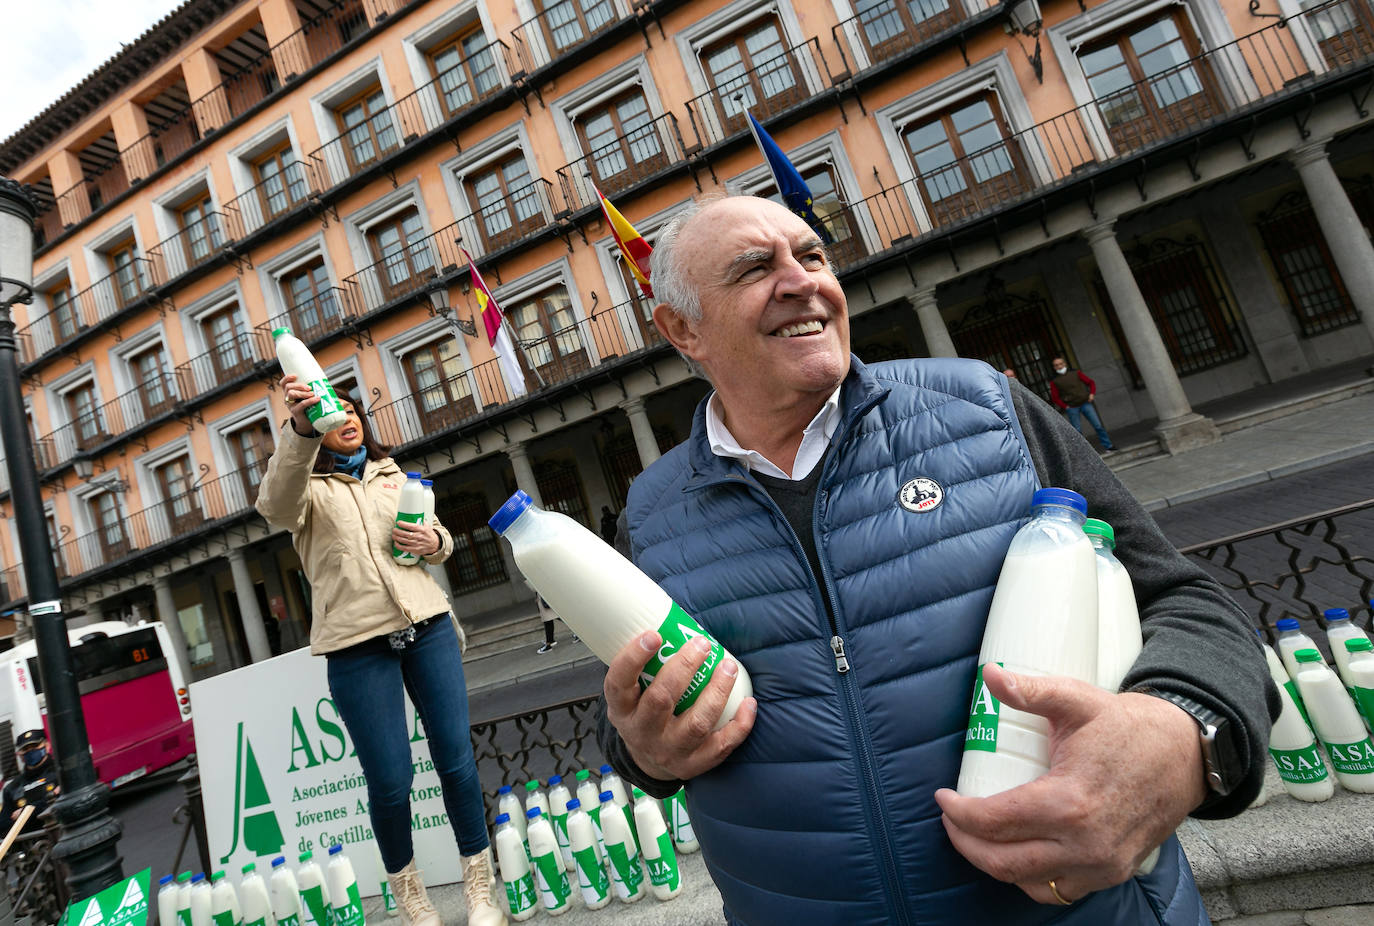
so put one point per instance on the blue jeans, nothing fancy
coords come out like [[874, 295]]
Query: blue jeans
[[1087, 410], [366, 683]]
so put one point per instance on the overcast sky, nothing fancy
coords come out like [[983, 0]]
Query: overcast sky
[[54, 44]]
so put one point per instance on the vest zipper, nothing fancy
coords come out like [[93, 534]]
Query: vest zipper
[[841, 661]]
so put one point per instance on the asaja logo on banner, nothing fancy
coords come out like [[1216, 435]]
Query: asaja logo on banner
[[260, 830], [122, 904]]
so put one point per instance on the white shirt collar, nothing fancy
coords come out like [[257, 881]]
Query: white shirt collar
[[815, 440]]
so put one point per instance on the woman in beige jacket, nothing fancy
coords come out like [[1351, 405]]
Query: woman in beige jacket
[[385, 628]]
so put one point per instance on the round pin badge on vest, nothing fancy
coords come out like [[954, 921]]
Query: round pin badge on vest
[[921, 494]]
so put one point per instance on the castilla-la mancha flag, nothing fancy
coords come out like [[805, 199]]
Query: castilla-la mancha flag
[[632, 244], [498, 332]]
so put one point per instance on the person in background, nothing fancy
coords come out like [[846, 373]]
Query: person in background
[[1009, 373], [36, 783], [1073, 392], [787, 526], [547, 616], [385, 630], [608, 524]]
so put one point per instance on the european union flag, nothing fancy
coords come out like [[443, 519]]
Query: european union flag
[[795, 194]]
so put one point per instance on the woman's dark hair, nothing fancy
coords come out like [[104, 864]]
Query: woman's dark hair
[[324, 459]]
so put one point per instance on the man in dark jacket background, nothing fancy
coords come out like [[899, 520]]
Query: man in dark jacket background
[[779, 525], [1074, 393]]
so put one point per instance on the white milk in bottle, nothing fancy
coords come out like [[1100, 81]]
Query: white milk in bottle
[[558, 818], [254, 899], [522, 900], [388, 898], [1337, 723], [1360, 654], [1296, 754], [1118, 621], [1043, 621], [684, 837], [1339, 628], [660, 861], [428, 485], [605, 598], [1279, 673], [314, 893], [508, 804], [589, 795], [200, 900], [286, 894], [591, 869], [167, 900], [224, 902], [411, 510], [1291, 639], [612, 782], [549, 875], [346, 900], [296, 360], [535, 798], [622, 854], [184, 898]]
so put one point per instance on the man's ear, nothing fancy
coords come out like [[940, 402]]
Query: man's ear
[[675, 328]]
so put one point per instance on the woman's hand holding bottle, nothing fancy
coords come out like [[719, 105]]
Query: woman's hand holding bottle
[[300, 398]]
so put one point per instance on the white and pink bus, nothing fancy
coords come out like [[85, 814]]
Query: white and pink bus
[[134, 699]]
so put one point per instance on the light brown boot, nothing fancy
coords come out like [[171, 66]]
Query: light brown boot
[[478, 883], [411, 900]]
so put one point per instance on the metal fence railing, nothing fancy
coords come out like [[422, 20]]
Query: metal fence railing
[[769, 87], [561, 27], [624, 161]]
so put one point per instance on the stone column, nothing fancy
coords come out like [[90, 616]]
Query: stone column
[[253, 631], [1179, 428], [167, 613], [524, 473], [938, 341], [1345, 235], [645, 442]]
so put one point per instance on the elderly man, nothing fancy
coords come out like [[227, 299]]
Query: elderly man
[[780, 525]]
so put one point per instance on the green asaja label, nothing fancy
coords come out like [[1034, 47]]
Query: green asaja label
[[1299, 766], [1352, 758], [258, 922], [1291, 687], [1364, 700], [626, 867], [329, 400], [676, 630], [520, 893], [553, 881], [223, 919], [591, 875], [408, 518], [184, 916], [315, 909], [293, 919], [351, 913], [982, 718], [663, 870], [388, 898]]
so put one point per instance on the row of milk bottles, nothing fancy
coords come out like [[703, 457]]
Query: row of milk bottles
[[1335, 709], [417, 495], [309, 896], [597, 843]]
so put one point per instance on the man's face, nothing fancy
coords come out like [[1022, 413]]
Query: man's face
[[1060, 367], [774, 331]]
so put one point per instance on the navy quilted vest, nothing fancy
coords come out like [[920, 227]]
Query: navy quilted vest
[[826, 813]]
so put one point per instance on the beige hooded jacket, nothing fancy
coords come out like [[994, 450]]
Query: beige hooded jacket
[[341, 529]]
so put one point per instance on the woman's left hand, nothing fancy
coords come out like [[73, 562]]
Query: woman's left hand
[[416, 538]]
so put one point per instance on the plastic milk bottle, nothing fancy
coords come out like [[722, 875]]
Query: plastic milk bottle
[[1118, 621], [549, 875], [604, 597], [1043, 621], [200, 900], [675, 810], [589, 795], [224, 902], [410, 509], [184, 898], [286, 894], [167, 894], [622, 854], [1296, 754], [508, 804], [1290, 640], [296, 360], [534, 798], [346, 899], [1360, 656], [428, 485], [591, 868], [315, 906], [612, 782], [558, 818], [1337, 723], [1279, 673], [388, 898], [665, 880], [522, 900], [253, 896], [1339, 628]]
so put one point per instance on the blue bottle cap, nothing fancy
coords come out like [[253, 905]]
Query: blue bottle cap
[[504, 789], [504, 818], [166, 879], [336, 848], [606, 770], [1064, 498], [505, 515], [278, 861], [428, 483], [532, 813], [198, 877], [555, 779], [1336, 614], [573, 803], [1259, 632], [415, 475], [607, 796], [1287, 623]]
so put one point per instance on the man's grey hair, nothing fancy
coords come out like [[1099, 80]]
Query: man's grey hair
[[667, 272]]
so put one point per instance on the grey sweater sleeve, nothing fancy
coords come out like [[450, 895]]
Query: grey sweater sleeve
[[1198, 642]]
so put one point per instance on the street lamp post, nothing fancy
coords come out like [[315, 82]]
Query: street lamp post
[[89, 834]]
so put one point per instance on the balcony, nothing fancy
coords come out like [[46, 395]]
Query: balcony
[[620, 164], [12, 584], [167, 139], [248, 76], [222, 364], [888, 28], [561, 27], [409, 271], [103, 299], [310, 320], [319, 37], [770, 87], [113, 419], [103, 179], [187, 249], [263, 202], [511, 218]]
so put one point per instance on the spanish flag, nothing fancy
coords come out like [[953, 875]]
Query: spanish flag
[[633, 247], [498, 332]]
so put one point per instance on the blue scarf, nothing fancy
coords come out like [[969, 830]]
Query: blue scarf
[[352, 464]]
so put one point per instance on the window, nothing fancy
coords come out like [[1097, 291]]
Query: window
[[476, 561], [752, 69], [311, 302], [891, 26], [230, 354], [1008, 330], [506, 200], [366, 126], [63, 308], [200, 225], [549, 339], [568, 22], [281, 182], [560, 487], [126, 272], [1344, 31], [465, 70], [964, 161], [621, 140], [250, 447], [151, 380], [398, 244], [845, 245], [177, 487], [439, 384], [1148, 83], [88, 426], [109, 526]]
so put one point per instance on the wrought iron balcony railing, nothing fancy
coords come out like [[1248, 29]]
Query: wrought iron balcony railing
[[265, 200], [511, 218], [92, 191], [189, 248], [101, 300], [309, 320], [115, 418], [561, 27], [221, 364], [887, 28], [768, 88], [319, 37], [164, 141], [407, 271], [626, 160]]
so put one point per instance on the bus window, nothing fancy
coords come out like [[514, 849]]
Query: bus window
[[104, 661]]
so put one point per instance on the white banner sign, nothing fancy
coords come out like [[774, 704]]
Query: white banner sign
[[279, 776]]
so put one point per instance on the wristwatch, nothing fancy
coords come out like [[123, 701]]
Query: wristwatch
[[1221, 765]]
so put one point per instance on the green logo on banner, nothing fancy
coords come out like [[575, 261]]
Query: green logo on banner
[[663, 870], [1300, 766], [261, 831], [1352, 758], [122, 904], [982, 718], [520, 894], [626, 867], [676, 630]]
